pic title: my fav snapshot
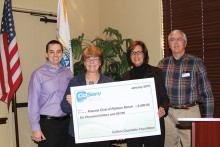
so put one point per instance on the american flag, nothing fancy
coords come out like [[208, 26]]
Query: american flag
[[10, 70]]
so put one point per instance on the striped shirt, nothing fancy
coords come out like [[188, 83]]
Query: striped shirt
[[187, 82]]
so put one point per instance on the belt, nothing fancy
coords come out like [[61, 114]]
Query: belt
[[183, 106], [54, 118]]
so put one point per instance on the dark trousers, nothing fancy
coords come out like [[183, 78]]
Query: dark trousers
[[91, 144], [55, 132], [150, 141]]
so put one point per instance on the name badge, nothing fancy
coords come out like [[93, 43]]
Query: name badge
[[185, 75]]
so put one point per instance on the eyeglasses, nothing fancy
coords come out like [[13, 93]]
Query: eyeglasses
[[92, 59], [137, 52], [176, 39]]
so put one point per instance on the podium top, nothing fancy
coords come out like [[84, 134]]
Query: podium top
[[197, 119]]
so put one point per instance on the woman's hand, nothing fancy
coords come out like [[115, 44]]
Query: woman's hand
[[161, 112], [69, 99], [120, 139]]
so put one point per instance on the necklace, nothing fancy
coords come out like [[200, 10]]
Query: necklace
[[91, 82], [92, 79]]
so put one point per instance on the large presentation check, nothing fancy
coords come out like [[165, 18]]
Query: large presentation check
[[116, 110]]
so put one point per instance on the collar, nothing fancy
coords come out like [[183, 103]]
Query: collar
[[141, 67], [178, 62], [83, 76], [50, 67]]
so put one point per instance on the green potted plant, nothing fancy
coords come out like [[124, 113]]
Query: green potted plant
[[115, 60]]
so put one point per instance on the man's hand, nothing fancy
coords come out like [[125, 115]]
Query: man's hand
[[38, 136]]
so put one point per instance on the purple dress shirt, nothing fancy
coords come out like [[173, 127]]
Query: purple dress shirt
[[45, 93]]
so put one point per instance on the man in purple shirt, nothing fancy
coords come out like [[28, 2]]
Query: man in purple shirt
[[46, 90]]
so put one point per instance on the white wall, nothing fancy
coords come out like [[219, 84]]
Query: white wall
[[83, 18], [136, 19]]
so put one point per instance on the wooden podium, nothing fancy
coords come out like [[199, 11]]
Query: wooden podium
[[205, 131]]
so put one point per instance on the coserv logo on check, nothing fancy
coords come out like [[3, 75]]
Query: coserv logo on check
[[82, 95]]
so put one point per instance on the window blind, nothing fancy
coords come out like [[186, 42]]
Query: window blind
[[200, 21]]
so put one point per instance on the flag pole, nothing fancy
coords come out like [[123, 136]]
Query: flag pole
[[16, 120]]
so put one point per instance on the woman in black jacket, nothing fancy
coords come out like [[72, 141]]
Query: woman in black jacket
[[137, 55]]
